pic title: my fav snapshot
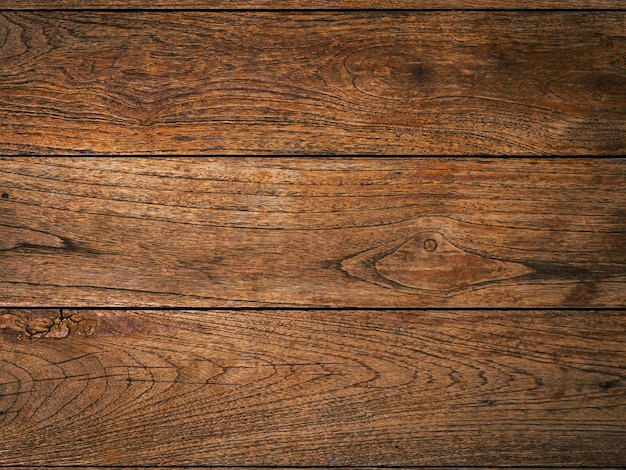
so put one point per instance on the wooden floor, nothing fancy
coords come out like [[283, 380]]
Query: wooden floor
[[168, 303]]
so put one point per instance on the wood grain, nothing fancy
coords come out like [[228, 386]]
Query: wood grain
[[445, 82], [321, 232], [107, 387], [311, 4]]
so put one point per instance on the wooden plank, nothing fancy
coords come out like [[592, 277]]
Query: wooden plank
[[421, 467], [451, 82], [321, 232], [115, 387], [311, 4]]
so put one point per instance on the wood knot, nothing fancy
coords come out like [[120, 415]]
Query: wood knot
[[608, 384], [430, 244], [430, 262], [385, 72], [606, 41]]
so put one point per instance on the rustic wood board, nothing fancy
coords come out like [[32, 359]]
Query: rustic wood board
[[319, 231], [277, 387], [409, 82], [312, 4]]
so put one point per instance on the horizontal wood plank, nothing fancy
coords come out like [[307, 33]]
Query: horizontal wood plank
[[115, 387], [444, 82], [321, 232], [310, 4]]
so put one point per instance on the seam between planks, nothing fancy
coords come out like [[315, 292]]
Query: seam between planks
[[318, 309], [316, 10]]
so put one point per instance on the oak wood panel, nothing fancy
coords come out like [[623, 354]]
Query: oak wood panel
[[311, 4], [115, 387], [451, 82], [363, 232]]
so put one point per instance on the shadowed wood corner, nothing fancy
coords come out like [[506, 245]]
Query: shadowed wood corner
[[201, 268]]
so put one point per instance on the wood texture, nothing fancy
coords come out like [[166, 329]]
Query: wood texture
[[312, 387], [451, 82], [311, 4], [377, 232]]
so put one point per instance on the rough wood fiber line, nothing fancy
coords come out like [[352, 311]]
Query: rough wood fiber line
[[364, 232], [312, 4], [102, 387], [451, 82]]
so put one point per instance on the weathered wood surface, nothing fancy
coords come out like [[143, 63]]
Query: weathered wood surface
[[311, 4], [444, 82], [368, 232], [115, 387]]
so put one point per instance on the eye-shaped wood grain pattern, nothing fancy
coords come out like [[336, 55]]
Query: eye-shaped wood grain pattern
[[312, 232], [429, 262], [115, 387], [445, 82]]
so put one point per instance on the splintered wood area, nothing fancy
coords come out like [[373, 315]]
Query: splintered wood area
[[410, 82], [321, 232], [264, 387]]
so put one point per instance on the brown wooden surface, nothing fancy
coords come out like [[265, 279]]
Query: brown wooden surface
[[445, 82], [312, 387], [449, 309], [311, 4], [319, 232]]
